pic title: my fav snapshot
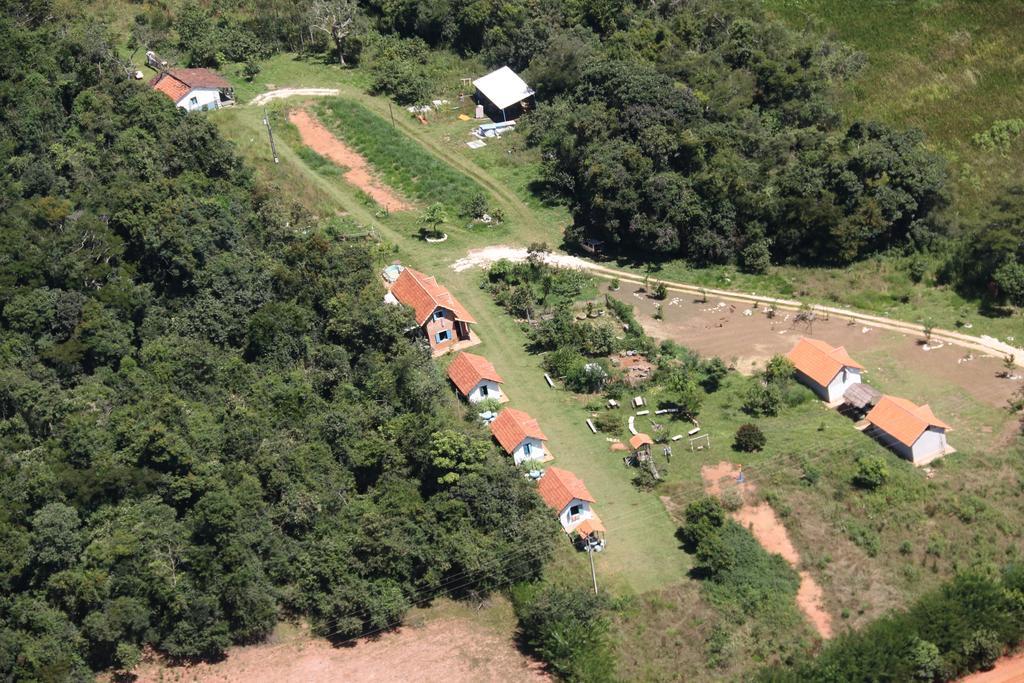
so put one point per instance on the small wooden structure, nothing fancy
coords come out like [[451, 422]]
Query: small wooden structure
[[860, 398], [641, 453]]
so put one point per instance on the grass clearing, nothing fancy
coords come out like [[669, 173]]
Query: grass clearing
[[949, 67]]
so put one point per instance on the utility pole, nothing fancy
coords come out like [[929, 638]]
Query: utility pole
[[270, 133], [593, 571]]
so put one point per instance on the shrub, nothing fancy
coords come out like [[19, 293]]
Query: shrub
[[660, 291], [762, 398], [644, 479], [566, 627], [872, 472], [476, 206], [756, 257], [749, 438], [608, 422]]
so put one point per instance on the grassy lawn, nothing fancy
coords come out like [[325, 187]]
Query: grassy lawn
[[948, 67]]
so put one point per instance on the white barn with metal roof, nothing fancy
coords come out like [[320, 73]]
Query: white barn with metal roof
[[504, 91]]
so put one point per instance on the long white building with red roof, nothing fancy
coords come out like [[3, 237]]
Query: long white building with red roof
[[828, 370]]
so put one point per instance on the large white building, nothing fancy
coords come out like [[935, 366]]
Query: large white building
[[827, 370]]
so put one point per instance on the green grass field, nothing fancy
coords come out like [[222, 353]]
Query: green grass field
[[949, 67]]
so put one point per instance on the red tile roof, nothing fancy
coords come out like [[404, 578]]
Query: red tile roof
[[558, 487], [638, 440], [820, 361], [903, 420], [468, 370], [423, 295], [176, 83], [512, 426], [589, 526]]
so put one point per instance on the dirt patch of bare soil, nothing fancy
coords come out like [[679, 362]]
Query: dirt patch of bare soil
[[765, 526], [323, 142], [446, 650], [1009, 669], [748, 337], [635, 369]]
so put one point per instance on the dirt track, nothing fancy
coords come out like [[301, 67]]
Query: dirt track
[[772, 535], [985, 344], [442, 651], [282, 93], [359, 173], [1008, 670]]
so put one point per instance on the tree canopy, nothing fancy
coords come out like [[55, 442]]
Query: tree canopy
[[208, 417]]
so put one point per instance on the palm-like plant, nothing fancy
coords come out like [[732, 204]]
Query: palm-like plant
[[432, 220]]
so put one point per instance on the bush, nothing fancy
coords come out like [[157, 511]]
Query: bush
[[476, 207], [961, 627], [749, 438], [762, 399], [566, 627], [660, 291], [608, 422], [872, 472]]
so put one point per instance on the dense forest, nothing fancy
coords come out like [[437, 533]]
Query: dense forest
[[209, 420]]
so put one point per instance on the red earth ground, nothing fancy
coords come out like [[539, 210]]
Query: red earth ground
[[442, 651], [359, 173], [765, 526]]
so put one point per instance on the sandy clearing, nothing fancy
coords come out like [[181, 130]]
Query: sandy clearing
[[1009, 669], [282, 93], [484, 257], [765, 526], [446, 650], [359, 173], [721, 328]]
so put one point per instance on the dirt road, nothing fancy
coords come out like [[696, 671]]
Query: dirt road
[[282, 93], [483, 257]]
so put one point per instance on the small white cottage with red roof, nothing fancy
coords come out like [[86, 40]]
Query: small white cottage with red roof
[[194, 89], [475, 378], [565, 493], [520, 436]]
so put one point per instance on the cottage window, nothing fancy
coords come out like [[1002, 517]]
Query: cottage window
[[193, 100], [575, 511], [527, 448], [438, 314], [443, 335], [483, 390]]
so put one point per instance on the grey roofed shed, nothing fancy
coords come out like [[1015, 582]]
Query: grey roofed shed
[[861, 396]]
